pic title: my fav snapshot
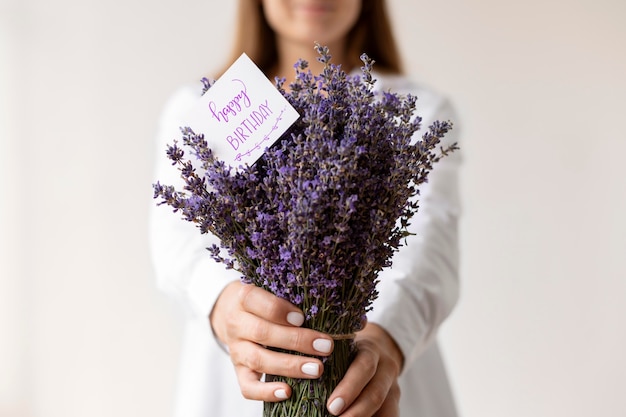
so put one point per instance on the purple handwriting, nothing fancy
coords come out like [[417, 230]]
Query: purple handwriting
[[256, 146], [255, 119], [234, 106]]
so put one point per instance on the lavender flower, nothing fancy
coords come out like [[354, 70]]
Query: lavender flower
[[323, 211]]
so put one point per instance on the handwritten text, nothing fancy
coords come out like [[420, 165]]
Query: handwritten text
[[249, 125], [233, 107]]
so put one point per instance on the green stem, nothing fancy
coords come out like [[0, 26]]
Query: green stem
[[309, 396]]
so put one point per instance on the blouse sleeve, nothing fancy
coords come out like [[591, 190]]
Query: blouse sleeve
[[421, 288], [182, 264]]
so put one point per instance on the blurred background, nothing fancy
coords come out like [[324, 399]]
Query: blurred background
[[540, 86]]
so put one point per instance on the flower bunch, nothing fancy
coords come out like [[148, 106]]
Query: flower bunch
[[322, 212]]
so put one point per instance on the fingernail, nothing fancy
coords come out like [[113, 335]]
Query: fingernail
[[310, 368], [295, 318], [281, 394], [336, 406], [322, 345]]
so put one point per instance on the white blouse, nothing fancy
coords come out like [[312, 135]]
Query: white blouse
[[416, 294]]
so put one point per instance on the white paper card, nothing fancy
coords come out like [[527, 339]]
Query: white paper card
[[242, 114]]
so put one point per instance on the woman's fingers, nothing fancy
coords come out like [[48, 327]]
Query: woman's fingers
[[370, 386], [264, 304], [262, 360], [252, 388], [275, 322], [248, 320], [248, 313], [359, 375], [254, 329], [378, 398]]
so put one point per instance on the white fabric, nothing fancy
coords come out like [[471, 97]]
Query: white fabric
[[416, 294]]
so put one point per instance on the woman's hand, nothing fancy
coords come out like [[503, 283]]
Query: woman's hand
[[247, 319], [370, 387]]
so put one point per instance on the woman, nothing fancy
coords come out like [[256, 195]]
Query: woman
[[229, 323]]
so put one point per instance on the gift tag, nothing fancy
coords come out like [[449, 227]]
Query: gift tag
[[242, 114]]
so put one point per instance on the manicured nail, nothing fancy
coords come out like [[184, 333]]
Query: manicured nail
[[310, 368], [281, 394], [295, 318], [322, 345], [336, 406]]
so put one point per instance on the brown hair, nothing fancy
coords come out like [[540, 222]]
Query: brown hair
[[371, 34]]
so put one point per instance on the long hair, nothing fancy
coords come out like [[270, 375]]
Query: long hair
[[371, 34]]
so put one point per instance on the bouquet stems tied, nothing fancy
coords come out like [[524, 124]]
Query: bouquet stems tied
[[309, 396]]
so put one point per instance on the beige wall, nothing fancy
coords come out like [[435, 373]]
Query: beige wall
[[540, 87]]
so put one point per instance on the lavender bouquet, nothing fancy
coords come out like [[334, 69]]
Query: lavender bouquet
[[321, 213]]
